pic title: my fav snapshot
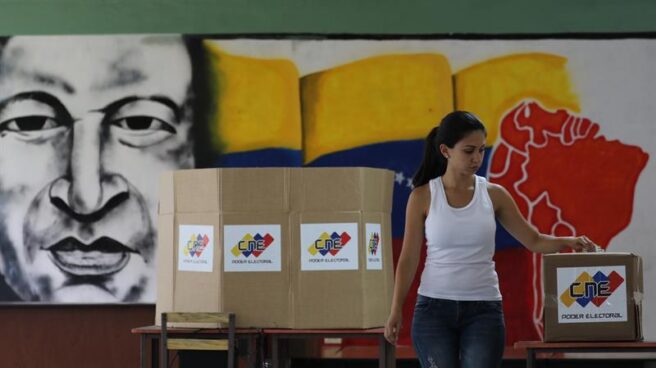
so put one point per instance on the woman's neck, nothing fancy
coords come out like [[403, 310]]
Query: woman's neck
[[451, 180]]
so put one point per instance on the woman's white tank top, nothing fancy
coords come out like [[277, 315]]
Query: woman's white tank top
[[460, 246]]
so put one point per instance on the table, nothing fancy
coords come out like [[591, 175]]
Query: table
[[386, 351], [149, 335], [535, 347]]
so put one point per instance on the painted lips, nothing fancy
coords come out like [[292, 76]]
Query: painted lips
[[104, 256]]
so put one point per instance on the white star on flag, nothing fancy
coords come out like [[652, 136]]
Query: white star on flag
[[409, 184]]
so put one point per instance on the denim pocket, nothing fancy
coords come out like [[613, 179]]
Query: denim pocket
[[490, 305], [423, 302]]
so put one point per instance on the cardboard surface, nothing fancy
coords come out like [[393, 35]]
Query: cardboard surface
[[592, 297], [290, 247]]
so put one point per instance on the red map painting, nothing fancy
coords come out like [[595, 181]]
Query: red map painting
[[567, 179]]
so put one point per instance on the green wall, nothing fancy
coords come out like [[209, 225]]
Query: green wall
[[325, 16]]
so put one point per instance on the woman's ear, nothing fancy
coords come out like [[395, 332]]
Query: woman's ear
[[444, 151]]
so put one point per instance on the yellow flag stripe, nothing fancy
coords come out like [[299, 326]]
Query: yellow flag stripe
[[258, 102], [494, 87], [374, 100]]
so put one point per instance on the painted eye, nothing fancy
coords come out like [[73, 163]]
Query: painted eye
[[33, 115], [143, 124], [30, 124]]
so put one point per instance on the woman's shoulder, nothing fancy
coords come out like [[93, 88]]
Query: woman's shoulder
[[498, 194], [420, 197], [494, 188], [421, 191]]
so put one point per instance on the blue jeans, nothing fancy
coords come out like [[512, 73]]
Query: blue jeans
[[452, 334]]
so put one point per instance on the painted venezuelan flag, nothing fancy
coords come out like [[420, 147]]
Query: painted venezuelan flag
[[376, 112], [258, 119]]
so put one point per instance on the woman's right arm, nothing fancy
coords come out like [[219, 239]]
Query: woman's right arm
[[406, 267]]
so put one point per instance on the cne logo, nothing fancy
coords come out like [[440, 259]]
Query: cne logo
[[595, 289], [196, 245], [332, 243], [374, 242], [252, 245]]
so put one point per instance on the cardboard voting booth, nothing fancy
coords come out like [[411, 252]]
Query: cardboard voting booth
[[592, 297], [280, 247]]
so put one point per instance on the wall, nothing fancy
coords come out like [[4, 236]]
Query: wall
[[76, 336], [316, 16], [99, 336]]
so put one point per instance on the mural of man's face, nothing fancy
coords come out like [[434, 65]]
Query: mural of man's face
[[86, 126]]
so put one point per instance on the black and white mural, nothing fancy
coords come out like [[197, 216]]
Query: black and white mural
[[86, 126]]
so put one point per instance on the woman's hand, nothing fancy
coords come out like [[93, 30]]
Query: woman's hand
[[581, 244], [393, 327]]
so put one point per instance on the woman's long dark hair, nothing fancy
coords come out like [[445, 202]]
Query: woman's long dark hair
[[453, 127]]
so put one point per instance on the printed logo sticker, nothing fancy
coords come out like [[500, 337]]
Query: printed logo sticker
[[329, 246], [251, 248], [195, 248], [591, 294], [374, 247]]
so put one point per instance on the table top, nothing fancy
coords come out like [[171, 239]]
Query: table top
[[585, 344], [324, 331], [277, 331], [149, 330]]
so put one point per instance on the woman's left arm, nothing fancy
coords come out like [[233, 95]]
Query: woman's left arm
[[512, 220]]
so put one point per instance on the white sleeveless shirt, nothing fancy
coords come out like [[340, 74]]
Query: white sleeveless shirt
[[460, 246]]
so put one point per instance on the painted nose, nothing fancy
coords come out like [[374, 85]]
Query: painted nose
[[88, 191]]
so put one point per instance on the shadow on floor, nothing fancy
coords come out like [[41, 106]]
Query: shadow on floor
[[207, 359], [312, 363]]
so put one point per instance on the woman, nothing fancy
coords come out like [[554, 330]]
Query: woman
[[458, 318]]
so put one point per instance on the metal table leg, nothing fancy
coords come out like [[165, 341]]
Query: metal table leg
[[275, 358], [142, 351], [386, 354], [252, 351], [530, 358], [154, 351]]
